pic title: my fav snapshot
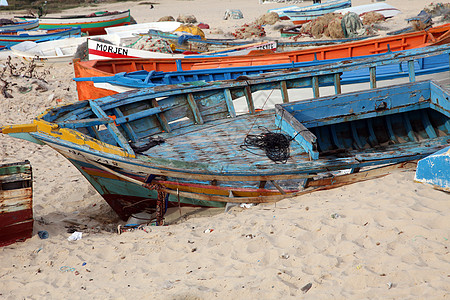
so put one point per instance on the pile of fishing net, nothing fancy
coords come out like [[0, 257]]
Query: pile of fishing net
[[166, 19], [372, 17], [187, 19], [268, 19], [149, 43], [421, 21], [437, 9], [333, 25], [249, 31]]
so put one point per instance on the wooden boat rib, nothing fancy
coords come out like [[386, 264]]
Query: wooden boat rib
[[8, 39], [16, 202], [201, 161], [425, 62], [93, 24]]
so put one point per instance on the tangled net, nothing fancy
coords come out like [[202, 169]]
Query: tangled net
[[275, 145]]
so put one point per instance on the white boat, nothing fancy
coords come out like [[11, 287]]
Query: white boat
[[99, 50], [386, 10], [61, 51], [129, 30], [56, 51]]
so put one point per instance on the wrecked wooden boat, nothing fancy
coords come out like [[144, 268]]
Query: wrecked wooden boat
[[434, 170], [92, 24], [16, 202], [427, 60], [186, 144]]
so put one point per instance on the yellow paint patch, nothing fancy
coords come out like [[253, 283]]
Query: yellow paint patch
[[18, 128], [73, 136]]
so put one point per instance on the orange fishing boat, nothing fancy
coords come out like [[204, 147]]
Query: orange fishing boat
[[95, 68]]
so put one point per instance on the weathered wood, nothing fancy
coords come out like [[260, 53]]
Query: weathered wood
[[284, 91], [278, 187], [112, 128], [16, 202], [85, 123], [229, 102], [249, 99], [373, 77], [315, 86], [161, 117], [194, 108], [411, 72], [337, 84]]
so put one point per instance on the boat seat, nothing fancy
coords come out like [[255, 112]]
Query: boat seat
[[58, 51]]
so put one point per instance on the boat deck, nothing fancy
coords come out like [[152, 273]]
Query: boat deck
[[219, 143], [217, 146]]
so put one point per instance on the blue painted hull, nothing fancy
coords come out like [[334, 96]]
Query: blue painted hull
[[318, 8], [8, 39], [434, 170], [143, 79], [23, 25]]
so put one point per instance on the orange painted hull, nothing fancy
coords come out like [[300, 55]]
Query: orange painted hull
[[86, 90]]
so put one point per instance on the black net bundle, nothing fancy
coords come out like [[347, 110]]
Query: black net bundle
[[275, 145]]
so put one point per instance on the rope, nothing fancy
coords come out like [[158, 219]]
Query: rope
[[275, 145]]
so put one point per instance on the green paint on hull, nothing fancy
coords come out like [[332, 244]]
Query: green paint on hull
[[109, 186]]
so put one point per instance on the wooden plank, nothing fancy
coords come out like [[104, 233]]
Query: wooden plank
[[373, 77], [278, 187], [249, 99], [315, 86], [126, 126], [73, 124], [161, 117], [337, 84], [112, 128], [284, 91], [229, 102], [194, 108], [411, 71]]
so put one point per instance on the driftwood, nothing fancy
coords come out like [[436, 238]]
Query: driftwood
[[13, 72]]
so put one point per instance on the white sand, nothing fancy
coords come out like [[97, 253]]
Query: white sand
[[390, 240]]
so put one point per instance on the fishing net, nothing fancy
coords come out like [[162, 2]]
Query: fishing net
[[275, 145], [149, 43], [321, 26], [268, 19], [372, 17], [166, 19], [248, 31], [352, 25]]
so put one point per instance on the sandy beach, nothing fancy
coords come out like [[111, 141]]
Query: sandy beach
[[386, 238]]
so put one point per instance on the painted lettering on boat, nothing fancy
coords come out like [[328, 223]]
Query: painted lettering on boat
[[267, 46], [98, 159], [111, 49]]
